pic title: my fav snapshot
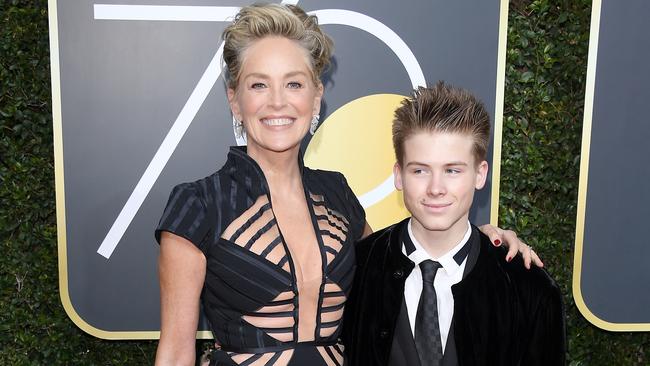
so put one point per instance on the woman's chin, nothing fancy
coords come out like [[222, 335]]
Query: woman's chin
[[274, 146]]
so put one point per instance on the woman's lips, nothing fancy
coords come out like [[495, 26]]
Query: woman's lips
[[284, 121]]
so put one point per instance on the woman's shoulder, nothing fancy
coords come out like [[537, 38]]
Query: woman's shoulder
[[201, 187], [329, 175], [326, 179]]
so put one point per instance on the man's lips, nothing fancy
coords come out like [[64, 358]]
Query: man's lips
[[436, 206]]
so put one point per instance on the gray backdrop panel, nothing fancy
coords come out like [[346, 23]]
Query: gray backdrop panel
[[615, 280], [123, 84]]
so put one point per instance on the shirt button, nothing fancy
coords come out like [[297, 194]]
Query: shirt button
[[383, 334], [398, 274]]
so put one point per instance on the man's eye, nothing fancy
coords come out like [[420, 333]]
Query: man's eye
[[452, 171], [418, 171], [294, 85]]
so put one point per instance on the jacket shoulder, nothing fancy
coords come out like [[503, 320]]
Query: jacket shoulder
[[534, 279], [376, 243]]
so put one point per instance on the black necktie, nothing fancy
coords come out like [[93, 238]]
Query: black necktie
[[427, 330]]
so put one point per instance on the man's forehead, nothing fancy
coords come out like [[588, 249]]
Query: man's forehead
[[440, 148]]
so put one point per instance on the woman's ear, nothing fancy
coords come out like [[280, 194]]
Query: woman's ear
[[234, 106], [318, 98]]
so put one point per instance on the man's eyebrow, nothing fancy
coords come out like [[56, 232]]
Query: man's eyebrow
[[416, 163], [453, 163]]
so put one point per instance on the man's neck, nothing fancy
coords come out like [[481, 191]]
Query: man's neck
[[439, 242]]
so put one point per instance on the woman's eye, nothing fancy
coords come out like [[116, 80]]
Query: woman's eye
[[418, 171], [258, 86], [294, 85]]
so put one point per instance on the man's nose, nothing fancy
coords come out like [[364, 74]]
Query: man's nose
[[436, 186]]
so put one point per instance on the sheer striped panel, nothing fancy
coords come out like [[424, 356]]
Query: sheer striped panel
[[277, 318], [332, 227], [262, 359], [332, 355], [331, 312], [257, 230]]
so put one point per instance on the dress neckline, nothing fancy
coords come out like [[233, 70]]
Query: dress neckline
[[239, 154]]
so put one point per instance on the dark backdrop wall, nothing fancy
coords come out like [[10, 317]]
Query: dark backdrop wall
[[546, 65]]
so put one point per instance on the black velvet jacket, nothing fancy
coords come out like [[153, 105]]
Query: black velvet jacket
[[504, 314]]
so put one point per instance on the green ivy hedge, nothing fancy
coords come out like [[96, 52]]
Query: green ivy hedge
[[545, 77], [545, 84]]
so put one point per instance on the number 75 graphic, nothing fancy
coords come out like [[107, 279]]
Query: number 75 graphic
[[210, 77]]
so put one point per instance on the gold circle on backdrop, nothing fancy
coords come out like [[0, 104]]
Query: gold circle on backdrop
[[356, 140]]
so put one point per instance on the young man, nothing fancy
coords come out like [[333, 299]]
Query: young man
[[432, 289]]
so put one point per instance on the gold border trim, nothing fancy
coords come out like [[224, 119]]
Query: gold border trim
[[498, 112], [60, 198], [583, 186]]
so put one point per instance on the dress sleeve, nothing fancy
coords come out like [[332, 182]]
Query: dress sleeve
[[185, 215], [357, 215]]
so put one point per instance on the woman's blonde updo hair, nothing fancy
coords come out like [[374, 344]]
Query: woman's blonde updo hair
[[257, 21]]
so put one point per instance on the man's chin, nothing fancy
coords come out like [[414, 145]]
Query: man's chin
[[435, 226]]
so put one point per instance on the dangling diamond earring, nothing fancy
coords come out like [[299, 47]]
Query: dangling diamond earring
[[314, 124], [237, 128]]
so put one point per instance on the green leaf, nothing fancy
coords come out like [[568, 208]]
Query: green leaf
[[526, 76]]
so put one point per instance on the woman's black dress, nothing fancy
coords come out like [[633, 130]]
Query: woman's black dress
[[251, 296]]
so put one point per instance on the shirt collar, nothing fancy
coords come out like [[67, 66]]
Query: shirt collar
[[450, 261]]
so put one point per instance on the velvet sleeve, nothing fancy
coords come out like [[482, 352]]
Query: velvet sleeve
[[548, 338], [185, 215]]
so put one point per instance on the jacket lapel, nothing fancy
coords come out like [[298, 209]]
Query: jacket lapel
[[403, 351], [449, 358], [398, 267]]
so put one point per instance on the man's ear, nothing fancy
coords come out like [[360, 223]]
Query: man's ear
[[234, 106], [481, 174], [397, 176]]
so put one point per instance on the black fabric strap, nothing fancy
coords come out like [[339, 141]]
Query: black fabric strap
[[279, 348]]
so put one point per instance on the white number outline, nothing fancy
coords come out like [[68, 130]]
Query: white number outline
[[209, 78]]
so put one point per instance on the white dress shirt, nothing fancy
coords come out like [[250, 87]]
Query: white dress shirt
[[450, 274]]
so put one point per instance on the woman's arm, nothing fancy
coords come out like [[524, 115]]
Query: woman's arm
[[181, 269], [509, 238]]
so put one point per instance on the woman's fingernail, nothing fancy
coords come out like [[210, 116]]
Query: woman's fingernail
[[508, 258], [497, 242]]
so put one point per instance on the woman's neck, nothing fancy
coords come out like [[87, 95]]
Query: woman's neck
[[281, 169]]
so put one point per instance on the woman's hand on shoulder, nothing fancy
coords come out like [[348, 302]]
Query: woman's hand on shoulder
[[181, 270], [509, 238]]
